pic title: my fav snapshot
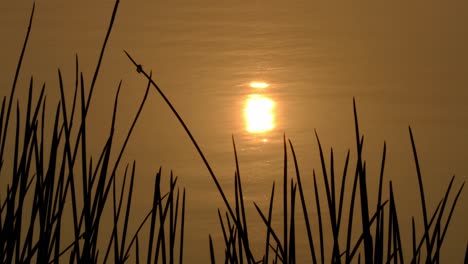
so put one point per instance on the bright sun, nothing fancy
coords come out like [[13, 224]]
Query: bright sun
[[258, 113]]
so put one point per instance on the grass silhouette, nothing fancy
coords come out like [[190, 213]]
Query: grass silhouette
[[51, 177]]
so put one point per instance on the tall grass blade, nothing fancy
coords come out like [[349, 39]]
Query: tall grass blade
[[182, 225], [466, 254], [101, 56], [137, 252], [413, 229], [156, 199], [319, 216], [238, 215], [351, 209], [270, 211], [343, 184], [212, 257], [378, 250], [423, 199], [368, 244], [127, 212], [292, 228], [304, 207], [244, 234], [223, 229], [13, 88], [285, 200], [396, 227]]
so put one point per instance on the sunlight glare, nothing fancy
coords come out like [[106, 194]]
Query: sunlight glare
[[259, 114], [259, 85]]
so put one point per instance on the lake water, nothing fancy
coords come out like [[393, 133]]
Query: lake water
[[405, 63]]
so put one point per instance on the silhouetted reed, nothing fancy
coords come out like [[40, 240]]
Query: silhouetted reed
[[50, 177]]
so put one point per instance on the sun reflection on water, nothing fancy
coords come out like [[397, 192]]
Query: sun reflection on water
[[259, 114], [260, 85]]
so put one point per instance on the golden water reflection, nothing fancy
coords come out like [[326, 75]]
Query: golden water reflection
[[260, 85], [258, 113]]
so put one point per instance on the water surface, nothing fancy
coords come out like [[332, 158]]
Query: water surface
[[405, 63]]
